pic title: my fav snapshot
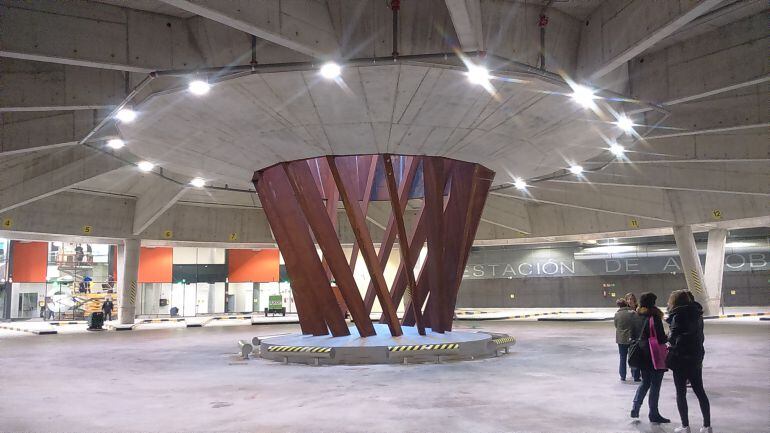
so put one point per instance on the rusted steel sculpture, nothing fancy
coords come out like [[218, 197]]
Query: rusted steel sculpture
[[300, 200]]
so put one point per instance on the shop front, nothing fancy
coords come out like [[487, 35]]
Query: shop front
[[188, 281]]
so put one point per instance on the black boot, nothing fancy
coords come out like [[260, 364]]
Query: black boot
[[658, 419], [634, 413]]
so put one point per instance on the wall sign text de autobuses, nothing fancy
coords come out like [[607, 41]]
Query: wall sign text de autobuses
[[516, 264]]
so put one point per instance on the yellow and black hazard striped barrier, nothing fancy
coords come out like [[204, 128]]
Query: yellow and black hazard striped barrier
[[727, 316], [61, 323], [233, 317], [230, 317], [503, 340], [181, 319], [31, 331], [500, 341], [416, 347], [299, 349], [464, 316]]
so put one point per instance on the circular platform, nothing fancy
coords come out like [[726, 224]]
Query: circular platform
[[383, 348]]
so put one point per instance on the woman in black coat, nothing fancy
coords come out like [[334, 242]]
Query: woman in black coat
[[685, 356], [651, 378]]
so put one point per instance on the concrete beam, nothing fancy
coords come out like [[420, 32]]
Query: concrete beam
[[617, 32], [643, 205], [29, 178], [513, 33], [744, 146], [156, 201], [722, 15], [725, 60], [648, 204], [466, 18], [35, 86], [25, 132], [723, 177], [210, 224], [709, 208], [112, 217], [510, 214], [300, 25], [67, 213], [67, 32]]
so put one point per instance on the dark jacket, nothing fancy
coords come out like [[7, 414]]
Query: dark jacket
[[107, 306], [641, 333], [686, 324]]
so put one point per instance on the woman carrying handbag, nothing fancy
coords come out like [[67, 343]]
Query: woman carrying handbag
[[651, 343], [685, 357]]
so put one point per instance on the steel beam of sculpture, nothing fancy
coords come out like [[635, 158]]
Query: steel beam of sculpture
[[301, 200]]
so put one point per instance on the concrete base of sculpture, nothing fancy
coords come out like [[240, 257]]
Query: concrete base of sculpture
[[383, 348]]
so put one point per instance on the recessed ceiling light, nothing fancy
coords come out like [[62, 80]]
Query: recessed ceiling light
[[617, 149], [520, 183], [198, 182], [625, 124], [116, 143], [199, 87], [145, 166], [583, 95], [330, 70], [477, 74], [576, 169], [126, 115]]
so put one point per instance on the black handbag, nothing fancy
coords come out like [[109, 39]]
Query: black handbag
[[672, 360], [634, 354]]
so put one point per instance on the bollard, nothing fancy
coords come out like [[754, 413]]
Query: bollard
[[246, 349]]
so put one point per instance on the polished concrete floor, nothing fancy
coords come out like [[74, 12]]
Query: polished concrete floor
[[561, 377]]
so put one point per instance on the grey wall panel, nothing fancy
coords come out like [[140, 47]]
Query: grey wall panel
[[750, 289]]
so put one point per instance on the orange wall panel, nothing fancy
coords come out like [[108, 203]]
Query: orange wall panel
[[30, 262], [155, 265], [245, 266]]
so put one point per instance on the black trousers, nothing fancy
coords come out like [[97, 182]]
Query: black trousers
[[694, 374]]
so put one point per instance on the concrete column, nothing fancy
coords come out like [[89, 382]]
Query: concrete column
[[693, 271], [128, 273], [715, 266]]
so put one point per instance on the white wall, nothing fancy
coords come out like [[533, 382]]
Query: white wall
[[17, 288]]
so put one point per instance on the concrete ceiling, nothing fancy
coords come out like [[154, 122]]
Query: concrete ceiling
[[704, 163], [579, 9], [149, 6], [518, 129]]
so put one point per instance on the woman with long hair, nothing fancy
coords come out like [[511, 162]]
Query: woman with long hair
[[631, 300], [685, 356], [652, 377]]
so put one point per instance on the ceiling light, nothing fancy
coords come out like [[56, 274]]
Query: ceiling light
[[198, 182], [126, 115], [477, 74], [583, 95], [625, 124], [116, 143], [330, 70], [145, 166], [617, 149], [520, 183], [576, 169], [199, 87]]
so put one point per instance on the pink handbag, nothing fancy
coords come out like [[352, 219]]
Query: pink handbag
[[658, 352]]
